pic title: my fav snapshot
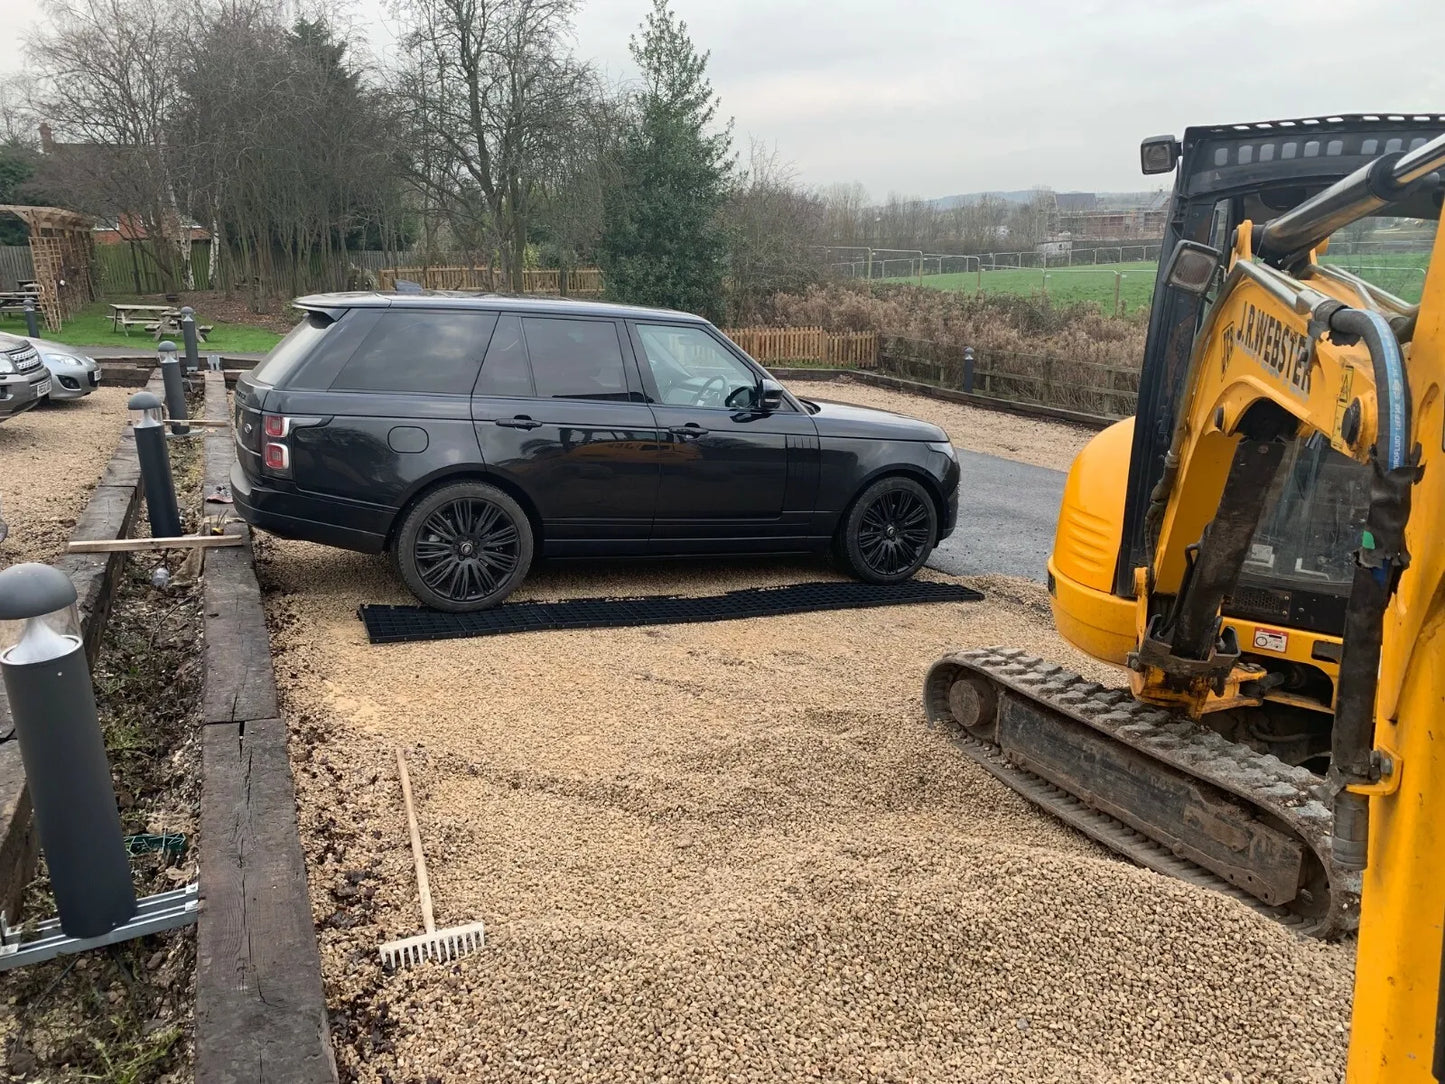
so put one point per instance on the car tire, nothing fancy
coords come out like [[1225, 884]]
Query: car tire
[[888, 531], [464, 547]]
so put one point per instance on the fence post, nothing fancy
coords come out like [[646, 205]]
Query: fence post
[[31, 326], [968, 369]]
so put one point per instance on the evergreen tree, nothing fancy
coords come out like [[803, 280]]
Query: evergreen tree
[[663, 241], [17, 166]]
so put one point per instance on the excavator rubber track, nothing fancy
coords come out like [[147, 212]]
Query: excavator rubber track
[[1158, 788]]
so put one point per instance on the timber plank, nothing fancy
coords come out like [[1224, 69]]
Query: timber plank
[[240, 683], [260, 1007]]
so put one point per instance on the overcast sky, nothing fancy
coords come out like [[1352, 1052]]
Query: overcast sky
[[935, 97]]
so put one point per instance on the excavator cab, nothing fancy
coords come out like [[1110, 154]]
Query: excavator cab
[[1271, 577], [1288, 607]]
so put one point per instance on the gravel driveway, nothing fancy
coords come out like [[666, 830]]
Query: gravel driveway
[[736, 852], [51, 457]]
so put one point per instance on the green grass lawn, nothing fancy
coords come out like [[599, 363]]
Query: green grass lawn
[[1063, 284], [1401, 273], [91, 327]]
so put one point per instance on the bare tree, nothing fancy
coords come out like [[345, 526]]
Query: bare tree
[[259, 95], [494, 97], [107, 93], [776, 230]]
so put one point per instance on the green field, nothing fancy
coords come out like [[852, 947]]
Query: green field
[[1400, 273], [91, 327], [1065, 285]]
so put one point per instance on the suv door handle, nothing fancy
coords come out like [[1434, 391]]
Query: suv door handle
[[690, 431], [521, 421]]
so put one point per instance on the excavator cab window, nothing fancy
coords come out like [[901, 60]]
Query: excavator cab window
[[1300, 563]]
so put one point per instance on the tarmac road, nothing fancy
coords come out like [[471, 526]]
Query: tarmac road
[[1006, 517]]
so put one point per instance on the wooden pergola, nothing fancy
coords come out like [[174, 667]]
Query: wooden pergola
[[62, 250]]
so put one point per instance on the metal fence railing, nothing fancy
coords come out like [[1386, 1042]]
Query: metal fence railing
[[881, 263]]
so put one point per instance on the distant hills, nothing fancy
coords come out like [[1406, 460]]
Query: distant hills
[[1067, 201]]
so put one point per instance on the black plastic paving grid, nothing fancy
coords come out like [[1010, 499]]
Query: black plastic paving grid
[[399, 624]]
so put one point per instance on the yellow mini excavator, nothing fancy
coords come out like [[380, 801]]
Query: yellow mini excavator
[[1272, 576]]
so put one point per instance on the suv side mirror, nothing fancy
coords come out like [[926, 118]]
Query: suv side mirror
[[770, 396]]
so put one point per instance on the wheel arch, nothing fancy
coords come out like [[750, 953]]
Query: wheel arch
[[898, 470], [466, 474]]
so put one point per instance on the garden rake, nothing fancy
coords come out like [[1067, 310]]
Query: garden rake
[[434, 944]]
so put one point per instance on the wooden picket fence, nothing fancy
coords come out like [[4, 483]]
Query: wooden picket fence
[[852, 349], [578, 282]]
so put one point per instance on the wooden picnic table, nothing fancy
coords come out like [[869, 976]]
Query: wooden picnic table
[[160, 319], [123, 316], [14, 300]]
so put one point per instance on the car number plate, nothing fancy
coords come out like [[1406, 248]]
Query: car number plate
[[43, 388], [95, 378]]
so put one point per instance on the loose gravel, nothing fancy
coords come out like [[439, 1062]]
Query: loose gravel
[[736, 852], [994, 432], [51, 458]]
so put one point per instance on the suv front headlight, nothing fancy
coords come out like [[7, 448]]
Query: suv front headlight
[[6, 365], [944, 446]]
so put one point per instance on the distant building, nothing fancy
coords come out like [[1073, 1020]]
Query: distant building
[[130, 228]]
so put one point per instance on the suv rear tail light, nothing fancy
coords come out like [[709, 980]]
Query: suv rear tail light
[[276, 433]]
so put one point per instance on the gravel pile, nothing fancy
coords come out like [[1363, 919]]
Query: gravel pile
[[51, 457], [736, 852], [1026, 440]]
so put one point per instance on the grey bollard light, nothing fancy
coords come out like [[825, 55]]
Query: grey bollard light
[[47, 679], [155, 465], [175, 387], [32, 325], [189, 340]]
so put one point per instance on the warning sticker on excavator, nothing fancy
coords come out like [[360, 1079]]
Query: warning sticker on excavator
[[1270, 639]]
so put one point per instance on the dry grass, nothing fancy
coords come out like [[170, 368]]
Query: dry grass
[[736, 852], [999, 325]]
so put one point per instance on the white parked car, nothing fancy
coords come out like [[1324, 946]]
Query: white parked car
[[72, 373]]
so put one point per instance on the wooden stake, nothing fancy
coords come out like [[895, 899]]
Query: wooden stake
[[144, 545]]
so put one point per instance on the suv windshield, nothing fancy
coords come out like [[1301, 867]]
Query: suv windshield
[[299, 342]]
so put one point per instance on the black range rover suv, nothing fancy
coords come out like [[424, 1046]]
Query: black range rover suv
[[467, 435]]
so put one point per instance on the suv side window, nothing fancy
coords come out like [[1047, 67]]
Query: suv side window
[[419, 350], [576, 359], [504, 371], [693, 369]]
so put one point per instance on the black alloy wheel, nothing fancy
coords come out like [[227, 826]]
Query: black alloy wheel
[[464, 547], [889, 532]]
